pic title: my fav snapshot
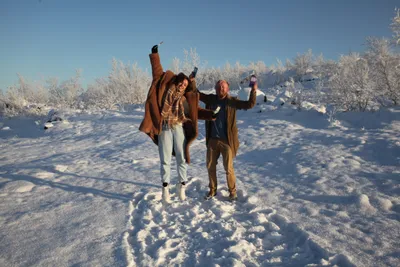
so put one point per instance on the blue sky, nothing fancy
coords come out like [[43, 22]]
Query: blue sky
[[52, 38]]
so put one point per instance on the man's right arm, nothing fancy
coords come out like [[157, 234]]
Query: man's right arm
[[204, 98]]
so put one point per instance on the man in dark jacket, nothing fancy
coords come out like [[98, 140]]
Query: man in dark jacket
[[170, 120], [222, 134]]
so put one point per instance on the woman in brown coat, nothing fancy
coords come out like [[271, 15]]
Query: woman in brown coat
[[170, 120]]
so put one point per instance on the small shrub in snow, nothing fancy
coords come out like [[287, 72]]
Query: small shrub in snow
[[65, 94]]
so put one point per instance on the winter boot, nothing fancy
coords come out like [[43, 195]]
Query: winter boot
[[233, 197], [181, 191], [210, 195], [165, 193]]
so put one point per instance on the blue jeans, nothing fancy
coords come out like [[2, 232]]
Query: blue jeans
[[168, 139]]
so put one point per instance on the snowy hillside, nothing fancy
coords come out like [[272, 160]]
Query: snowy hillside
[[87, 192]]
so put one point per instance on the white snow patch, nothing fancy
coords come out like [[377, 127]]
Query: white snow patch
[[302, 170], [45, 175], [61, 168], [253, 200], [385, 204], [48, 125], [364, 204], [18, 187]]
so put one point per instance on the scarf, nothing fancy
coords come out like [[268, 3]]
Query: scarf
[[173, 111]]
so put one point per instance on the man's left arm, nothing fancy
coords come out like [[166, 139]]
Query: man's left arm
[[243, 104]]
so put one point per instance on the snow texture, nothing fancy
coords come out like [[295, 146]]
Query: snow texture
[[311, 193]]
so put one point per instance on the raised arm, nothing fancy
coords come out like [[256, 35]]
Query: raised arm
[[206, 99], [156, 67], [243, 104], [193, 87]]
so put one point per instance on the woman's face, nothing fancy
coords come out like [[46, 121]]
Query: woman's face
[[182, 85]]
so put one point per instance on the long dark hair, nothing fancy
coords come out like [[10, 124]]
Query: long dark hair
[[180, 78]]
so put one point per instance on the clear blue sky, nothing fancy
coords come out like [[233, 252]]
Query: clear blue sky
[[52, 38]]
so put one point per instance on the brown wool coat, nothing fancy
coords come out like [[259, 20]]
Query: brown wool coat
[[231, 106], [152, 121]]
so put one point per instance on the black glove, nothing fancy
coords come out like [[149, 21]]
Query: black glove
[[154, 49]]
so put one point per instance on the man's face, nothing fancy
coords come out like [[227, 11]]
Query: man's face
[[222, 89], [182, 85]]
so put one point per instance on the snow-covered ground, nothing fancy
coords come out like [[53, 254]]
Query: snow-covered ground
[[87, 192]]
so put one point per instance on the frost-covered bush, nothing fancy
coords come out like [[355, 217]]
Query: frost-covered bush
[[351, 85], [65, 94], [126, 84], [385, 70], [303, 64], [22, 96]]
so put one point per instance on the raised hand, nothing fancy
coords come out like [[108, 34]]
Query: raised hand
[[154, 49], [255, 86]]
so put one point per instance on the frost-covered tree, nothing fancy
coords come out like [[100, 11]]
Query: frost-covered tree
[[130, 82], [385, 69], [14, 101], [319, 66], [322, 70], [259, 68], [232, 74], [176, 65], [280, 70], [73, 88], [208, 78], [297, 93], [66, 93], [101, 94], [303, 63], [55, 94], [24, 94], [238, 70], [396, 26], [41, 94], [3, 101], [126, 84], [191, 59], [289, 64], [351, 85], [24, 89]]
